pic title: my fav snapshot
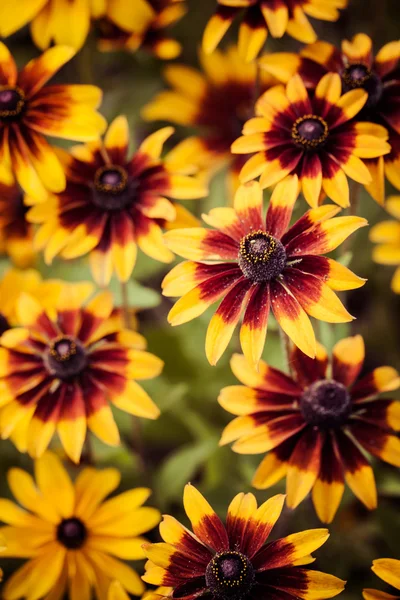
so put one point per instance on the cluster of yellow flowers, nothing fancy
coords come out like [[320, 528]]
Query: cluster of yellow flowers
[[295, 123]]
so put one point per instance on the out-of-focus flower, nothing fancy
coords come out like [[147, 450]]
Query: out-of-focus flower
[[313, 424], [387, 235], [387, 569], [30, 110], [263, 16], [61, 369], [71, 535], [113, 203], [233, 560], [217, 102], [312, 136], [358, 68], [157, 594], [125, 26], [255, 264]]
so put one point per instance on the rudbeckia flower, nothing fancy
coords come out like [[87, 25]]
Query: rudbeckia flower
[[235, 561], [71, 535], [217, 102], [30, 110], [116, 33], [314, 423], [113, 203], [387, 235], [16, 234], [61, 368], [359, 69], [256, 264], [314, 137], [263, 16], [387, 569]]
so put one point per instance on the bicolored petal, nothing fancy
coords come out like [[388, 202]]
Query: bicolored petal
[[304, 466], [205, 523], [347, 359]]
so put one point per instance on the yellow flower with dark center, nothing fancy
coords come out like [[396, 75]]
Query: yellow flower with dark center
[[71, 535], [30, 110], [263, 16], [313, 424], [387, 569], [118, 34], [217, 102], [358, 69], [235, 561], [387, 235], [61, 369], [255, 264], [113, 203], [314, 136]]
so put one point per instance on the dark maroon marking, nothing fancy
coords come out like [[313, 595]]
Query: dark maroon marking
[[262, 257], [71, 533], [66, 358], [4, 324], [326, 404], [230, 575], [12, 103]]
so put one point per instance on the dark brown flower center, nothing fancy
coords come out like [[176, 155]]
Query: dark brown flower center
[[359, 75], [66, 357], [326, 403], [12, 102], [71, 533], [310, 132], [230, 575], [113, 189], [261, 256]]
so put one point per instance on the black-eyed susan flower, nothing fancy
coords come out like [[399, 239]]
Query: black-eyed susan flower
[[312, 136], [16, 234], [74, 539], [123, 28], [255, 264], [61, 369], [236, 561], [387, 237], [315, 424], [387, 569], [217, 102], [30, 110], [263, 16], [358, 69], [113, 203]]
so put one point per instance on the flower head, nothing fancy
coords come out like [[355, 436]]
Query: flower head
[[30, 110], [387, 237], [233, 561], [71, 535], [61, 368], [359, 69], [255, 264], [312, 136], [263, 16], [113, 203], [141, 24], [217, 102], [314, 423], [387, 569]]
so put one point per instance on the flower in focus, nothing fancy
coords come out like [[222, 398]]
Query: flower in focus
[[233, 560], [314, 423], [255, 265], [16, 282], [217, 102], [141, 24], [16, 234], [313, 137], [113, 203], [263, 16], [359, 69], [387, 235], [387, 569], [61, 368], [30, 110], [71, 535]]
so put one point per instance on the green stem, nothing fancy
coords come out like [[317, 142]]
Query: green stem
[[285, 345]]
